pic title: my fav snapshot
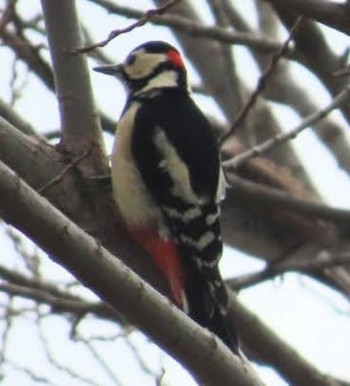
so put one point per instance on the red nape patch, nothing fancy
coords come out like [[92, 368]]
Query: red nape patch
[[167, 260], [175, 58]]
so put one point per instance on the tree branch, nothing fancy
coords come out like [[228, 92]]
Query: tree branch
[[335, 15], [198, 350], [183, 24], [316, 52], [30, 55], [144, 19], [283, 137], [261, 84], [268, 195], [80, 127], [37, 162]]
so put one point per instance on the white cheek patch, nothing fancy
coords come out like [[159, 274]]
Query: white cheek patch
[[164, 79], [144, 64]]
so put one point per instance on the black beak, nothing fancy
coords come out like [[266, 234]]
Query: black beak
[[111, 69]]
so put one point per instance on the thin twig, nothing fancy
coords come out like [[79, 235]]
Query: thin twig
[[183, 24], [142, 362], [7, 319], [159, 379], [321, 262], [342, 72], [31, 374], [344, 65], [261, 83], [124, 333], [237, 161], [64, 369], [58, 305], [59, 176], [150, 14], [100, 360], [7, 14]]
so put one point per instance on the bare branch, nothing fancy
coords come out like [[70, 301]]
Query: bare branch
[[261, 84], [318, 55], [342, 72], [31, 374], [106, 368], [148, 16], [63, 368], [7, 14], [183, 24], [109, 278], [59, 176], [324, 260], [30, 55], [335, 15], [279, 198], [283, 137], [80, 127]]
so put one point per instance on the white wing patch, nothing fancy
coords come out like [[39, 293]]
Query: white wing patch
[[221, 192], [176, 169]]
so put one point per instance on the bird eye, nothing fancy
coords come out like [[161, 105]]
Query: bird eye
[[131, 60]]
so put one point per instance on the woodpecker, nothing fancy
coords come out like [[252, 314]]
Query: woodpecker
[[167, 182]]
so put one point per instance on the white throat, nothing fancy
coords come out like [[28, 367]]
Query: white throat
[[163, 79]]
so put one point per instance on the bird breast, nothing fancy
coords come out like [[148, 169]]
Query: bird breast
[[135, 204]]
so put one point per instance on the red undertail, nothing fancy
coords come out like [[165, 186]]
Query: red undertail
[[167, 260]]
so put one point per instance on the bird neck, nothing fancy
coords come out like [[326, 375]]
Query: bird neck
[[168, 79]]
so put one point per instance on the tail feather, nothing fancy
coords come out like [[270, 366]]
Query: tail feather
[[199, 245], [219, 325], [208, 305]]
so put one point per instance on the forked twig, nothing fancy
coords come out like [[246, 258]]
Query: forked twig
[[7, 14], [283, 137], [148, 15], [261, 83], [59, 176]]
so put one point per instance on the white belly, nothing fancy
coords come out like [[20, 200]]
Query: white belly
[[135, 204]]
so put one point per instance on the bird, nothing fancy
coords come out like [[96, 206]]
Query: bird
[[167, 182]]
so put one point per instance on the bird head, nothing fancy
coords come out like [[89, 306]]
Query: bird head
[[152, 65]]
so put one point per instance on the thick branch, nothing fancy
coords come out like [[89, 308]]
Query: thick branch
[[318, 55], [335, 15], [80, 126], [77, 111], [109, 278], [37, 162], [264, 194]]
